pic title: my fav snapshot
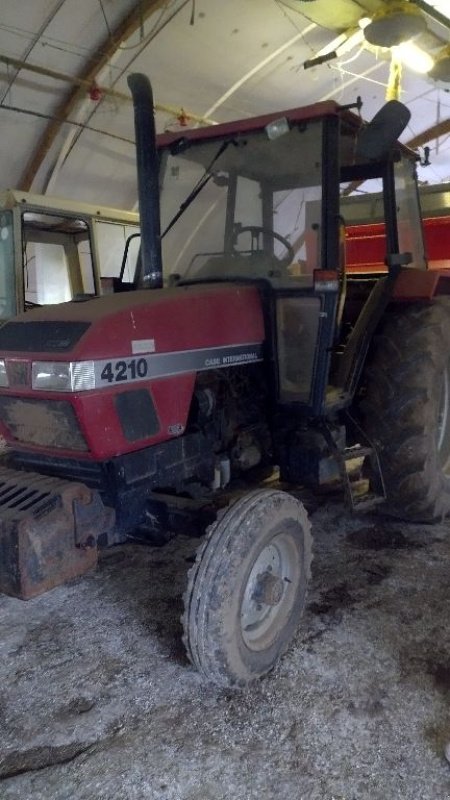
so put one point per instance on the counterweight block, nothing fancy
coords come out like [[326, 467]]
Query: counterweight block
[[48, 531]]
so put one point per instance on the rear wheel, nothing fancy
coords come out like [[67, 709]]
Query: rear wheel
[[406, 410], [247, 588]]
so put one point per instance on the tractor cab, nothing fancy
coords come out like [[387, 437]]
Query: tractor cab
[[261, 201], [54, 250]]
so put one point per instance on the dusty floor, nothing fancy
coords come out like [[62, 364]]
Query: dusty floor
[[98, 702]]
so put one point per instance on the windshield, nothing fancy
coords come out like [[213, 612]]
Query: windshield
[[409, 220], [248, 207], [57, 259], [366, 234]]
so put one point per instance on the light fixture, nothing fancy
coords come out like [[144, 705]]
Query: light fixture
[[414, 57], [276, 128], [399, 23], [441, 69]]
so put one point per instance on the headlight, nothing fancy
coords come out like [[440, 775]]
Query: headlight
[[60, 376], [3, 376]]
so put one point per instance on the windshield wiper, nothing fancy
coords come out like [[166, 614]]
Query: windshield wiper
[[201, 183]]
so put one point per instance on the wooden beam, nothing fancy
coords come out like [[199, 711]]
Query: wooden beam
[[104, 53], [434, 132], [104, 90]]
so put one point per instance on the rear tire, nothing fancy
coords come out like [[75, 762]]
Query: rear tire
[[247, 588], [406, 409]]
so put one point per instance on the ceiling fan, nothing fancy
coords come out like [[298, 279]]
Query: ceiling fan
[[397, 24]]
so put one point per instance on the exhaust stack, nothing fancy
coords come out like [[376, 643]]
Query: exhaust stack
[[151, 276]]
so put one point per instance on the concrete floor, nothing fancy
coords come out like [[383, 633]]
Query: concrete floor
[[97, 701]]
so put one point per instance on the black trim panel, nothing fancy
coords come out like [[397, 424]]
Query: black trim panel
[[42, 336]]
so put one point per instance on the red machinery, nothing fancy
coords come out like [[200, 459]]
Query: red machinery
[[366, 245], [253, 355]]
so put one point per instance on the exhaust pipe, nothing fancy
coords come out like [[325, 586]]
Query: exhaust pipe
[[150, 276]]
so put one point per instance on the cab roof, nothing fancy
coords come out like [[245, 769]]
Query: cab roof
[[254, 124]]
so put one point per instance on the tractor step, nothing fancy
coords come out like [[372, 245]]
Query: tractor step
[[48, 531], [374, 490], [357, 452], [366, 490], [367, 501]]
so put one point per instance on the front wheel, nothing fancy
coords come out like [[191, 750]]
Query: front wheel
[[406, 409], [247, 588]]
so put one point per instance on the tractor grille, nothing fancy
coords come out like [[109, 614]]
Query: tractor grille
[[23, 492], [47, 423], [137, 414]]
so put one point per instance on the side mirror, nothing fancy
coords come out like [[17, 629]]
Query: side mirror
[[378, 136]]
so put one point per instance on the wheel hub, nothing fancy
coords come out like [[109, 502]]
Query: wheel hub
[[269, 589], [269, 593]]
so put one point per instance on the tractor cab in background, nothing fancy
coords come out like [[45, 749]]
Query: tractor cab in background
[[54, 250]]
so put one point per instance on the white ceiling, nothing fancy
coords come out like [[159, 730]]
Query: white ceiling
[[220, 59]]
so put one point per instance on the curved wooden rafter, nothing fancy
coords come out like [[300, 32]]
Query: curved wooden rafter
[[104, 53]]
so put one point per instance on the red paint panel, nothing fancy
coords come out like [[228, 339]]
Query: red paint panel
[[325, 275], [365, 245], [176, 320], [253, 124], [98, 417], [437, 238], [415, 284], [190, 317], [365, 248]]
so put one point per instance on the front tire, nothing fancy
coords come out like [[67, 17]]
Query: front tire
[[247, 588], [406, 410]]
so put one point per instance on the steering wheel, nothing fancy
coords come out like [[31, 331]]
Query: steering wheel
[[256, 231]]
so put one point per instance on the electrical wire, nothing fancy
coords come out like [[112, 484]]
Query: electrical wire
[[64, 121], [352, 58], [50, 41], [158, 25], [148, 38], [122, 72], [280, 3], [32, 44], [105, 18], [79, 50], [150, 35]]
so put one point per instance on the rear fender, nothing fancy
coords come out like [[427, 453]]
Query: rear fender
[[414, 285]]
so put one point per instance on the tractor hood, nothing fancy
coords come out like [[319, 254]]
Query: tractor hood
[[141, 322], [101, 378]]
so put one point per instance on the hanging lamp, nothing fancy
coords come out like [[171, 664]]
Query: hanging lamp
[[399, 23]]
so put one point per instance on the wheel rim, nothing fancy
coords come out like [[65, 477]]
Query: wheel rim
[[269, 592], [443, 432]]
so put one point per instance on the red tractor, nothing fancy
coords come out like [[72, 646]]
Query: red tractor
[[122, 411]]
